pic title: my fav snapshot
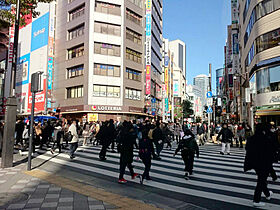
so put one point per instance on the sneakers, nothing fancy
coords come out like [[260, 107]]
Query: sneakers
[[228, 153], [122, 181], [260, 204], [134, 176], [187, 176], [270, 195], [222, 153]]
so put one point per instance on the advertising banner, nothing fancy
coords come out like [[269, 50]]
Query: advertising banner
[[148, 45], [234, 11], [23, 70], [176, 88], [166, 80], [50, 72], [39, 99], [40, 32]]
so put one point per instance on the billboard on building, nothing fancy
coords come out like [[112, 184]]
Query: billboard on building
[[36, 44], [176, 88], [148, 45]]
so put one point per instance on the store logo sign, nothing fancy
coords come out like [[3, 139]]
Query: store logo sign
[[275, 99], [106, 108]]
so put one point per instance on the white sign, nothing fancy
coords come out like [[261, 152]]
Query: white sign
[[247, 95], [272, 98], [209, 101], [219, 102]]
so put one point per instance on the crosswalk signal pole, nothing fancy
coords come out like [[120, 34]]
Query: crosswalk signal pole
[[209, 89], [35, 87]]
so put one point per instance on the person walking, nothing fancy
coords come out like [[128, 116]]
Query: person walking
[[158, 139], [19, 131], [126, 142], [227, 136], [75, 138], [58, 135], [200, 133], [103, 136], [86, 133], [145, 152], [241, 135], [259, 157], [188, 147]]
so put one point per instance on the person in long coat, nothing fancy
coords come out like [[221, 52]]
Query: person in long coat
[[259, 157]]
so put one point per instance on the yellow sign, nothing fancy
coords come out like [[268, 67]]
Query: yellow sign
[[148, 4], [92, 117]]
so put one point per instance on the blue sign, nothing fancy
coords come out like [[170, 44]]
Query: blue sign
[[209, 94], [40, 32], [209, 110], [5, 7], [148, 24], [166, 61], [24, 62], [154, 100], [50, 72]]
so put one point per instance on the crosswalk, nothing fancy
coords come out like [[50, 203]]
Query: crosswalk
[[216, 177]]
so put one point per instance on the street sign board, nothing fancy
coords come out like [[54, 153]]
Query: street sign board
[[209, 101], [209, 94], [209, 110], [154, 100]]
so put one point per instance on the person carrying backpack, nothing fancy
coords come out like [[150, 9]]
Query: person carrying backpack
[[188, 147]]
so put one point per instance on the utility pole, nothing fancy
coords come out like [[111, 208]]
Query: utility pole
[[11, 106]]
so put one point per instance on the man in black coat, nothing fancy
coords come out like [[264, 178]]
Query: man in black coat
[[259, 156], [158, 139], [200, 133], [19, 132], [126, 142], [227, 136]]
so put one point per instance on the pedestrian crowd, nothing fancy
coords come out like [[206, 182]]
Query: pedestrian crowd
[[149, 138]]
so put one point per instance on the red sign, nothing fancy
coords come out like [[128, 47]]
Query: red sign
[[148, 80], [40, 99]]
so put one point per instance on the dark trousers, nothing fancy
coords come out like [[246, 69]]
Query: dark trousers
[[273, 173], [178, 138], [261, 186], [159, 147], [123, 164], [19, 138], [73, 148], [113, 144], [57, 144], [103, 151], [147, 162], [188, 158]]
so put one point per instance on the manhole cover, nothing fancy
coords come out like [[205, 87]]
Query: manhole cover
[[8, 198]]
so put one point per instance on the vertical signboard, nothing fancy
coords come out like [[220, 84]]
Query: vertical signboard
[[50, 66], [10, 58], [148, 45], [234, 11]]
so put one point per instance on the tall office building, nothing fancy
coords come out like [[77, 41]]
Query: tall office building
[[100, 58], [153, 57], [178, 50], [260, 59], [202, 81]]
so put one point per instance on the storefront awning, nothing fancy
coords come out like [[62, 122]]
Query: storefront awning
[[267, 112]]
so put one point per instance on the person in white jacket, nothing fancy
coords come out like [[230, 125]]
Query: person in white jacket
[[74, 142]]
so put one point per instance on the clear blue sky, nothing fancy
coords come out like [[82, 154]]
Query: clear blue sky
[[202, 25]]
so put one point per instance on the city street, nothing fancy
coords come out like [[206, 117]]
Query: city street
[[218, 181]]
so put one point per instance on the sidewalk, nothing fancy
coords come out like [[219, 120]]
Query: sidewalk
[[37, 189], [19, 190]]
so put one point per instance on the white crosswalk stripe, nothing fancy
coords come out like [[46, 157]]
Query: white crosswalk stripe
[[215, 176]]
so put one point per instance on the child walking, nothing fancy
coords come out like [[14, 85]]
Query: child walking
[[188, 148]]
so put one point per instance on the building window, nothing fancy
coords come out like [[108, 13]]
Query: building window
[[107, 8], [247, 5], [76, 32], [268, 40], [133, 75], [138, 3], [106, 28], [133, 55], [75, 92], [106, 91], [130, 15], [106, 70], [76, 52], [74, 14], [133, 36], [75, 71], [107, 49], [132, 94]]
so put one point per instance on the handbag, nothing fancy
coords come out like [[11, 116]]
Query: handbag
[[68, 136]]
